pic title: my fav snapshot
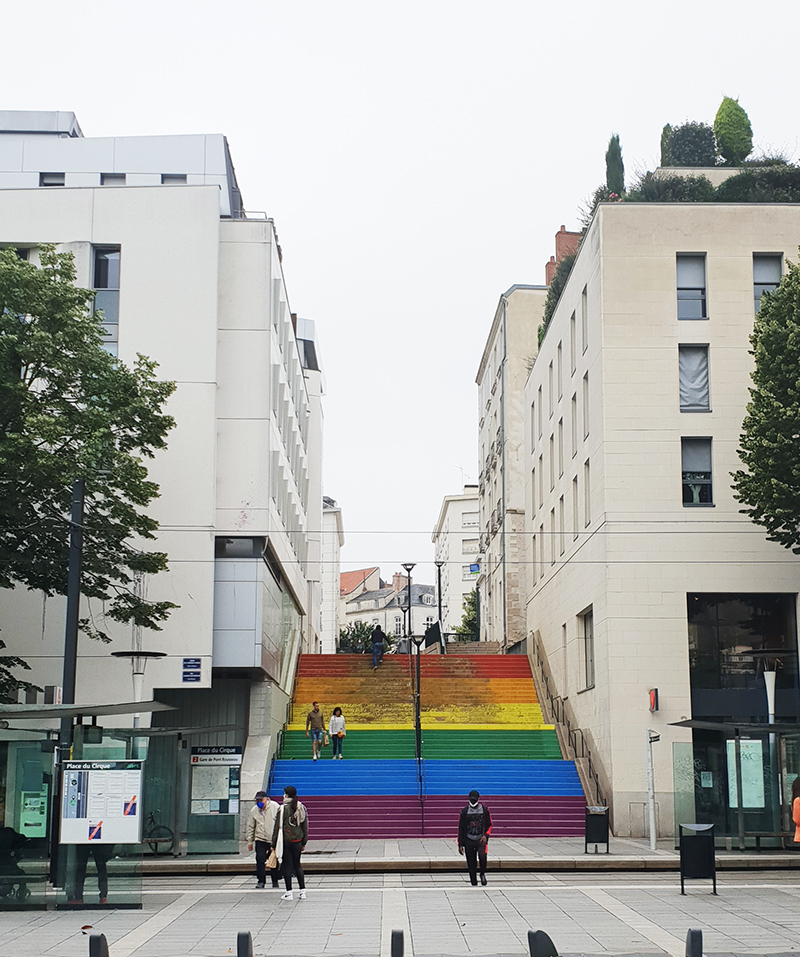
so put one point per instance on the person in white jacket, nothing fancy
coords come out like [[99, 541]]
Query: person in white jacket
[[260, 824], [337, 732]]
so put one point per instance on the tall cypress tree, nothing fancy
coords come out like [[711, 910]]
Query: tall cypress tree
[[615, 171]]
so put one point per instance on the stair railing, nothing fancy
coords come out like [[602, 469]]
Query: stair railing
[[557, 711]]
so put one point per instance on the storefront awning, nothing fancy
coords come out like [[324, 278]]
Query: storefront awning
[[25, 712]]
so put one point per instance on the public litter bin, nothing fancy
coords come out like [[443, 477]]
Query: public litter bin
[[696, 843], [596, 831]]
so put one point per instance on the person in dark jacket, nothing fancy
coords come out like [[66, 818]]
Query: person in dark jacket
[[474, 828], [378, 646]]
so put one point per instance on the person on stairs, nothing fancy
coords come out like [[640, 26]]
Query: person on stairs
[[337, 732], [260, 825], [289, 838], [474, 828], [315, 729], [378, 645]]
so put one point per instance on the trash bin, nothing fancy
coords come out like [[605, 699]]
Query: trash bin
[[596, 831], [697, 853]]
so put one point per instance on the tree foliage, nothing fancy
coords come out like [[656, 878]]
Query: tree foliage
[[769, 484], [733, 132], [650, 188], [469, 629], [666, 155], [554, 291], [773, 184], [10, 684], [70, 410], [692, 144], [615, 169], [356, 638]]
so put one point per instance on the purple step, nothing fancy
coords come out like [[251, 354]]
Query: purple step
[[387, 817]]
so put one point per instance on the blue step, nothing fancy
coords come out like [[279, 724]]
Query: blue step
[[399, 776]]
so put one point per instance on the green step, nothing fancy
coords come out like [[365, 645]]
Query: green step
[[438, 743]]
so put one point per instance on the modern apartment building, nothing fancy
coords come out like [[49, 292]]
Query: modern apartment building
[[642, 573], [187, 277], [507, 357], [456, 545]]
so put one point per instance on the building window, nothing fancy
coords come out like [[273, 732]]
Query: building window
[[586, 406], [559, 370], [691, 272], [552, 536], [112, 179], [560, 447], [552, 463], [561, 525], [587, 622], [587, 494], [693, 378], [533, 426], [535, 570], [466, 573], [541, 550], [51, 179], [573, 346], [696, 471], [766, 275], [469, 546], [584, 320], [469, 520], [398, 625], [533, 491], [575, 515], [541, 481], [173, 179], [106, 282], [550, 389], [539, 409], [574, 424]]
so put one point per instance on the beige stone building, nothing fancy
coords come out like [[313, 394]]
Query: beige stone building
[[639, 570], [507, 358], [456, 545]]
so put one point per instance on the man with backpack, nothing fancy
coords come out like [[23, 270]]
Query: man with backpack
[[474, 828]]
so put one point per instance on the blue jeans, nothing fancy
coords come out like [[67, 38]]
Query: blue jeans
[[377, 653], [337, 744]]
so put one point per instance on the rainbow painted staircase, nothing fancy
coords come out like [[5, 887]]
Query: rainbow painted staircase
[[482, 728]]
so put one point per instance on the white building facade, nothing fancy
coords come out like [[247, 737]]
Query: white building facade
[[643, 573], [332, 541], [198, 287], [456, 545], [507, 357]]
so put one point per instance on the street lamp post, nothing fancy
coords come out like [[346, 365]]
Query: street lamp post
[[417, 717]]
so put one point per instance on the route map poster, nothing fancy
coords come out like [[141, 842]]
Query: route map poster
[[215, 780], [101, 802]]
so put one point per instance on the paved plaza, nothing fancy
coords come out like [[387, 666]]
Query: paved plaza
[[441, 914]]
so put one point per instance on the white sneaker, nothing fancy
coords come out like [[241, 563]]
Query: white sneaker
[[302, 895], [288, 896], [315, 755]]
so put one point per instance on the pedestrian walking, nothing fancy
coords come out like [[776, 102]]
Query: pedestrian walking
[[337, 731], [378, 645], [260, 825], [474, 828], [289, 838], [315, 729]]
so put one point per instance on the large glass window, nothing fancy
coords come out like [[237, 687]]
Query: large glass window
[[691, 287], [587, 620], [696, 471], [766, 275], [693, 378], [106, 282], [733, 640]]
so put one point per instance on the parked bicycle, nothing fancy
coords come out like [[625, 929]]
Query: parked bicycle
[[159, 837]]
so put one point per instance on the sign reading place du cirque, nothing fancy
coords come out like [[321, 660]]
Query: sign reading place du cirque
[[218, 755]]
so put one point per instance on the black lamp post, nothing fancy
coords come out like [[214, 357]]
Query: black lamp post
[[439, 596], [417, 641]]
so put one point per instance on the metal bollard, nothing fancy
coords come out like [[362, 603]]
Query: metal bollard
[[98, 945], [694, 943], [398, 943], [244, 944], [540, 945]]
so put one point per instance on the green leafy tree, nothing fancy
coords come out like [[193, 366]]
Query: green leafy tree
[[733, 132], [10, 684], [666, 153], [693, 144], [469, 629], [615, 170], [769, 484], [69, 410], [554, 291]]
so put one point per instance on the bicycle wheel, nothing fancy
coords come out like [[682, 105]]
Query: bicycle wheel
[[160, 838]]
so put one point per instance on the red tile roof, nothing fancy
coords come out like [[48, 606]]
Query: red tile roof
[[349, 581]]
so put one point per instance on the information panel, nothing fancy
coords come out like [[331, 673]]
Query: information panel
[[101, 802], [215, 780]]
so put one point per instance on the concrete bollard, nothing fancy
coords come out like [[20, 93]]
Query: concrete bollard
[[398, 943], [694, 943], [540, 945], [98, 945], [244, 944]]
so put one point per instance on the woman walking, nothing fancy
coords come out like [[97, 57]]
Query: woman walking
[[337, 731], [289, 838]]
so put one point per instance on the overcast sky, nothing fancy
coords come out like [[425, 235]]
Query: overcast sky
[[417, 158]]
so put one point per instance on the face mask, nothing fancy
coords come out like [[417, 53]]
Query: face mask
[[260, 804], [473, 803]]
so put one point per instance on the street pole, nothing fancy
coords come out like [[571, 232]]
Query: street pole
[[439, 594], [652, 736], [408, 566]]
